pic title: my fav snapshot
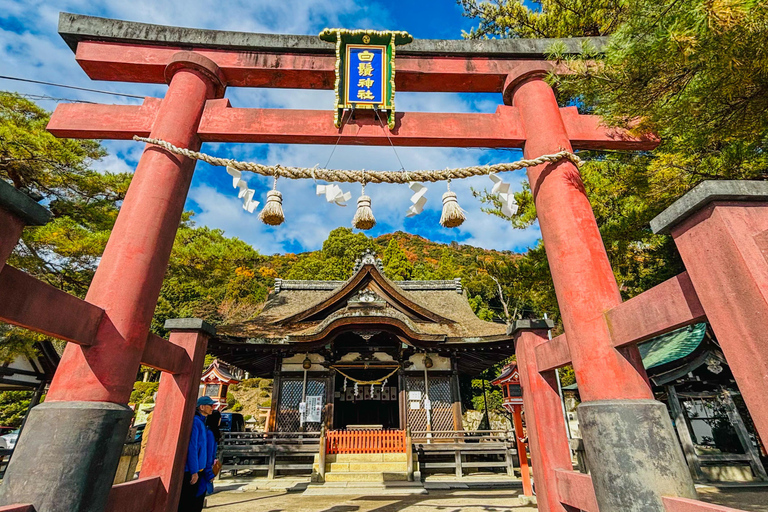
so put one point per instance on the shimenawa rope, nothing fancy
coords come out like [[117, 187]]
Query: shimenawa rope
[[347, 176]]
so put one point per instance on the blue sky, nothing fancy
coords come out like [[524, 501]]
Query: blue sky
[[31, 48]]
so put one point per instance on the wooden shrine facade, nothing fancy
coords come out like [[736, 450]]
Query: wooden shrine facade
[[365, 353]]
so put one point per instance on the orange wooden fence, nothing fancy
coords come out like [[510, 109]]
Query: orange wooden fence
[[365, 441]]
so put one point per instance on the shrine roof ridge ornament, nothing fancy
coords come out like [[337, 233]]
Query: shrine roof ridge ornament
[[75, 28], [424, 285]]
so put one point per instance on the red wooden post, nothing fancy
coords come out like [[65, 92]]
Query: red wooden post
[[84, 420], [721, 231], [547, 436], [521, 451], [127, 283], [612, 382], [582, 275], [172, 420]]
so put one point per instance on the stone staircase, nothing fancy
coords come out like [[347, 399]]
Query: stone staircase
[[365, 473]]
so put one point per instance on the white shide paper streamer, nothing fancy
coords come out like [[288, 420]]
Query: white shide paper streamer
[[245, 193], [418, 199], [334, 194], [501, 189]]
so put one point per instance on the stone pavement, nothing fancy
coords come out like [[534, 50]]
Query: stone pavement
[[748, 499]]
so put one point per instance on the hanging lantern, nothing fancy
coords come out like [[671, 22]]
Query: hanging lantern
[[453, 216]]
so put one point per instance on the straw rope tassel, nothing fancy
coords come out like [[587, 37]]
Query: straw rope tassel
[[453, 216], [364, 218], [272, 214]]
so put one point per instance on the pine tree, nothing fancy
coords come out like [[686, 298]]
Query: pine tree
[[396, 264]]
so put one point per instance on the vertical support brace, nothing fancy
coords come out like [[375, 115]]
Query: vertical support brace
[[543, 415], [166, 450]]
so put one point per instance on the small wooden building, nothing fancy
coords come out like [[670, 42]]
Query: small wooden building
[[688, 371], [216, 380], [364, 353]]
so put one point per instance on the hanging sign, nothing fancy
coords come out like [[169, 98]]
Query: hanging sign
[[314, 408], [365, 69]]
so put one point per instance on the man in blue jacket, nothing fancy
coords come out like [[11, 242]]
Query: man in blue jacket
[[197, 455]]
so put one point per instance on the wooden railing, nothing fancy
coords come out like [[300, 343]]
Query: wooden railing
[[270, 451], [365, 441], [452, 450]]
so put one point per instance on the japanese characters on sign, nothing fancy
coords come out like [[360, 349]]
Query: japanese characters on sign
[[365, 70], [314, 409], [365, 75]]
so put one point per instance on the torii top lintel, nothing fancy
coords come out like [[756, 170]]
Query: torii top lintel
[[116, 50]]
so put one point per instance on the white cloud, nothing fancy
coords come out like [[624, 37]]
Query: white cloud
[[33, 49]]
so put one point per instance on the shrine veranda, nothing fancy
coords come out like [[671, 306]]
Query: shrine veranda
[[637, 464]]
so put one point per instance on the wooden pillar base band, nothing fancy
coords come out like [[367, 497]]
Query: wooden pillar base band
[[634, 455], [67, 459]]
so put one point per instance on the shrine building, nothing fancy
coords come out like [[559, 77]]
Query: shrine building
[[366, 353]]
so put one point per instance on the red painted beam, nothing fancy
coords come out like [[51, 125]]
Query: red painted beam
[[576, 490], [104, 121], [165, 356], [501, 129], [553, 354], [134, 495], [665, 307], [40, 307], [146, 64], [685, 505], [221, 123], [17, 508], [589, 132]]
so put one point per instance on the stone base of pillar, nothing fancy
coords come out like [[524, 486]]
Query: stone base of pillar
[[67, 456], [633, 454]]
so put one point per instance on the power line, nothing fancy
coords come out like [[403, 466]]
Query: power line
[[43, 97], [70, 87]]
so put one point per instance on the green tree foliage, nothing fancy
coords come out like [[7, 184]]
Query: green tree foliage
[[13, 407], [144, 392], [211, 277], [549, 18], [64, 252], [337, 258], [396, 265], [692, 71]]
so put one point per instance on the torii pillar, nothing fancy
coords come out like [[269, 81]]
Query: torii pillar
[[631, 445], [84, 420]]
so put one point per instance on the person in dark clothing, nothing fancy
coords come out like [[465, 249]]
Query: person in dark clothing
[[197, 458], [214, 438], [213, 422]]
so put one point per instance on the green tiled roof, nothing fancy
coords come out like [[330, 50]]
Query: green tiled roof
[[668, 347], [671, 346]]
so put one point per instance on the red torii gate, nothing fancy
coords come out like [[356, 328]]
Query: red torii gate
[[637, 463]]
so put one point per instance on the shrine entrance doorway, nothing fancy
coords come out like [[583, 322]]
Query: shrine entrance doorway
[[364, 397], [374, 407]]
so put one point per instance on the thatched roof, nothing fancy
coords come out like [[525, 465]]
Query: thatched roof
[[435, 311]]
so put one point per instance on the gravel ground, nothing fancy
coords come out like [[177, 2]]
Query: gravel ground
[[751, 500]]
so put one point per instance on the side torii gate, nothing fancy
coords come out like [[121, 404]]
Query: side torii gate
[[68, 454]]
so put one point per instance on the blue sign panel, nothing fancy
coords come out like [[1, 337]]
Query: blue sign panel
[[365, 74]]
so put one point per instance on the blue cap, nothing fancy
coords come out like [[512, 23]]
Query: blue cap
[[205, 400]]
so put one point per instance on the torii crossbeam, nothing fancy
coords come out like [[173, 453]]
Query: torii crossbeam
[[97, 371]]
